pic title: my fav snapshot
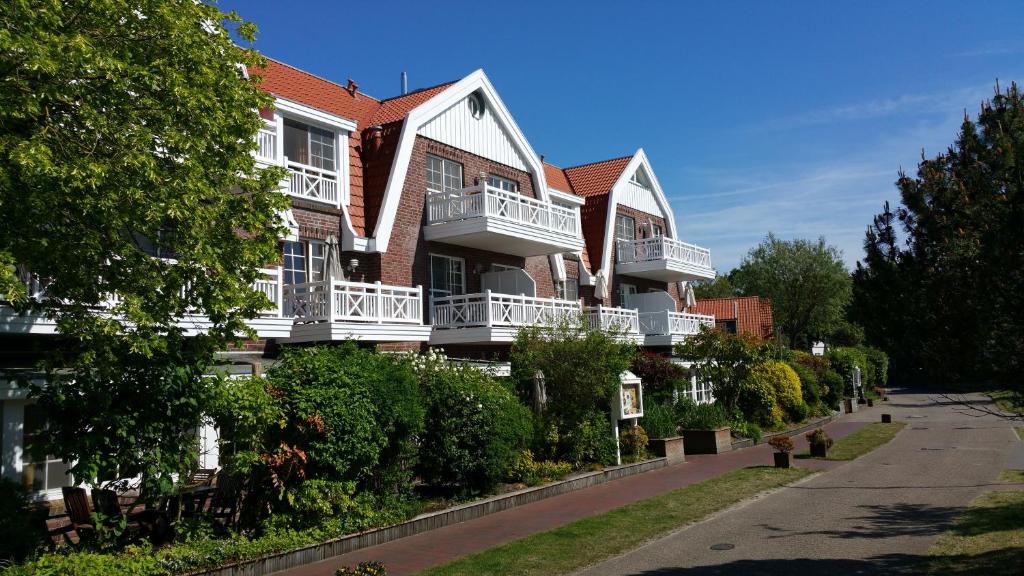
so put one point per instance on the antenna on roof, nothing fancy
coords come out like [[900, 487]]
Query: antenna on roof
[[405, 83]]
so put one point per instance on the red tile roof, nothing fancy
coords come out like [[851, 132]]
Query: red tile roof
[[597, 178], [753, 314], [556, 178], [395, 109]]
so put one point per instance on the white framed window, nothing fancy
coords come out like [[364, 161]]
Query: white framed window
[[39, 471], [656, 231], [447, 276], [443, 175], [625, 227], [568, 289], [295, 265], [502, 183], [701, 391], [309, 145], [622, 291], [317, 261]]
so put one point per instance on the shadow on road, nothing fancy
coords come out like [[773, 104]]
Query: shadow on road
[[885, 521]]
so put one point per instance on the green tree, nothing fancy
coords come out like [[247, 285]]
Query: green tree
[[725, 360], [943, 303], [806, 281], [720, 287], [127, 129]]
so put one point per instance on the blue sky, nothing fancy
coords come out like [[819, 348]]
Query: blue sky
[[784, 117]]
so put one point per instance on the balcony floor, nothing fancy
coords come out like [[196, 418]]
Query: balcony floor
[[365, 331], [495, 235], [665, 270], [474, 335]]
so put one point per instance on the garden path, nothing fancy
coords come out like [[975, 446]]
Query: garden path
[[877, 514]]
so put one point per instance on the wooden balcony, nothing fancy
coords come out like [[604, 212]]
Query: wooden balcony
[[493, 318], [341, 310], [623, 320], [312, 183], [667, 328], [491, 219], [663, 259]]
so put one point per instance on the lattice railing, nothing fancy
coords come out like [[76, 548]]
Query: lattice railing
[[667, 322], [606, 318], [494, 309], [661, 247], [343, 301], [487, 201]]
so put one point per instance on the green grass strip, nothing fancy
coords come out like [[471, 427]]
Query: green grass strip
[[1015, 476], [1008, 401], [988, 539], [593, 539], [861, 442]]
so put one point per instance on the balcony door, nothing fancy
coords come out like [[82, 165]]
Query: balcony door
[[447, 276], [309, 145]]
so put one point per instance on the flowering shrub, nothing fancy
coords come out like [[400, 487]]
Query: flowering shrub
[[633, 442], [372, 568], [530, 472]]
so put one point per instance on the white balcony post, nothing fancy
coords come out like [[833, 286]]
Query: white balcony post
[[329, 294], [487, 308], [280, 293], [380, 303], [419, 303]]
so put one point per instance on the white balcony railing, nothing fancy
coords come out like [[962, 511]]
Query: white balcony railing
[[494, 309], [312, 183], [486, 201], [266, 145], [667, 322], [661, 247], [621, 319], [342, 301]]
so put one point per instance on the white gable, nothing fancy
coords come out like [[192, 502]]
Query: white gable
[[639, 194], [482, 136]]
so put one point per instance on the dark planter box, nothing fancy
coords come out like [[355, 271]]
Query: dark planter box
[[783, 460], [870, 402], [671, 449], [708, 441], [849, 406], [819, 450], [887, 418]]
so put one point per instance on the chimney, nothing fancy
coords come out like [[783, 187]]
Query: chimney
[[351, 87], [371, 141], [405, 83]]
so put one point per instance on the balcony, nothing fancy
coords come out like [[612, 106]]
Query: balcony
[[624, 320], [340, 310], [667, 328], [270, 323], [266, 145], [493, 318], [663, 259], [312, 183], [488, 218]]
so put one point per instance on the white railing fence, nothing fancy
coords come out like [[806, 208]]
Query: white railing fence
[[343, 301], [272, 286], [494, 309], [667, 322], [606, 318], [312, 183], [266, 145], [487, 201], [661, 247]]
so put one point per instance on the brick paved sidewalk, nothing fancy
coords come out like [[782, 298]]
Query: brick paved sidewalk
[[415, 553]]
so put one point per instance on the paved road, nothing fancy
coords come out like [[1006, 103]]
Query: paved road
[[878, 514]]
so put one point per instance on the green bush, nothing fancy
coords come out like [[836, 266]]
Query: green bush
[[757, 401], [659, 420], [878, 363], [743, 429], [530, 472], [474, 428], [843, 361], [633, 442], [661, 376], [371, 568], [808, 383], [21, 524], [132, 561], [589, 442], [832, 389], [693, 416]]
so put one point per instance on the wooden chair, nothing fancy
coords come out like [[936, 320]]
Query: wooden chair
[[106, 502], [201, 477], [76, 502], [224, 502]]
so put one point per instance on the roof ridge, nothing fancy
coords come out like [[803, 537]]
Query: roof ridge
[[318, 77], [598, 162], [448, 83], [729, 298]]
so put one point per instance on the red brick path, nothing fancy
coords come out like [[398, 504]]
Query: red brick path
[[415, 553]]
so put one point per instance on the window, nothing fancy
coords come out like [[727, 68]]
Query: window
[[309, 145], [569, 289], [728, 326], [476, 105], [294, 263], [447, 276], [702, 391], [656, 231], [622, 291], [317, 261], [502, 183], [39, 471], [625, 227], [443, 175]]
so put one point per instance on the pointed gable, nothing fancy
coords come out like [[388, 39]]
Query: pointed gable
[[594, 182], [476, 131]]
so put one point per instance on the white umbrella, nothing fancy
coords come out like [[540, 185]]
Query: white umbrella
[[688, 295], [333, 269], [601, 285]]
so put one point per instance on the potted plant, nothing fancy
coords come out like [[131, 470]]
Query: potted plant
[[705, 428], [783, 447], [820, 443]]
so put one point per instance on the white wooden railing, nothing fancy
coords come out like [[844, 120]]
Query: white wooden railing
[[344, 301], [266, 145], [486, 201], [667, 322], [494, 309], [312, 183], [606, 318], [661, 247]]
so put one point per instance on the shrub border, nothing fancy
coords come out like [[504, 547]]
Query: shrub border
[[748, 442], [426, 522]]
